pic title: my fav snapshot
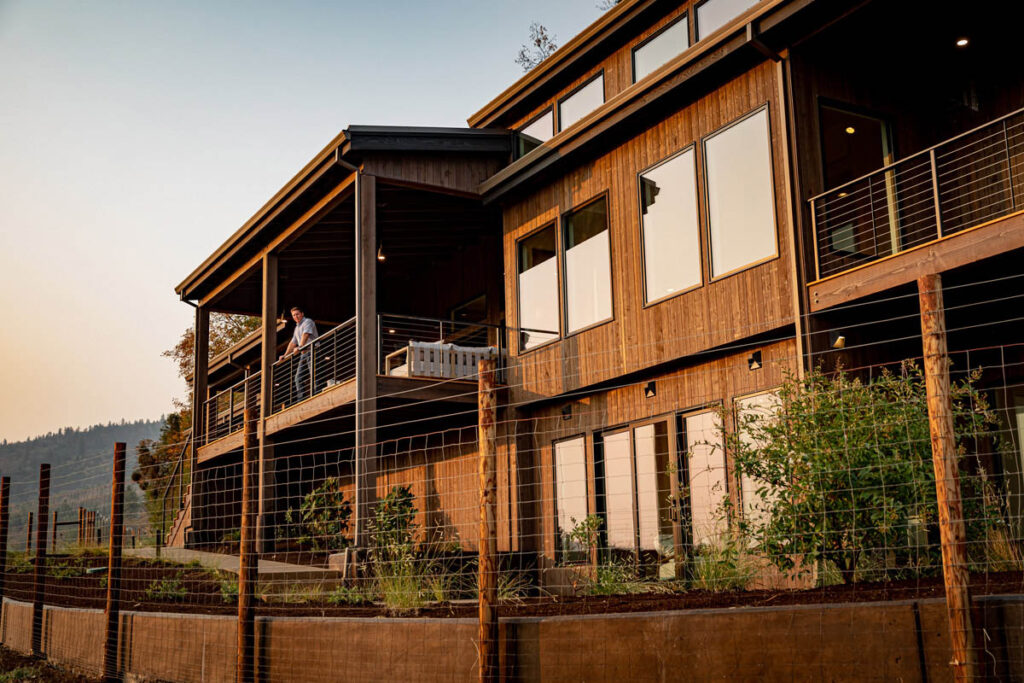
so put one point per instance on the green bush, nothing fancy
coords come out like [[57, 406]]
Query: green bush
[[393, 553], [167, 589], [322, 518]]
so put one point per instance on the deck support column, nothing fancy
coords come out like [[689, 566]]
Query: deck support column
[[952, 532], [200, 376], [267, 489], [366, 354]]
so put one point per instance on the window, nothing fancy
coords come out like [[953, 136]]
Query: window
[[741, 210], [705, 468], [580, 103], [588, 270], [538, 288], [653, 488], [617, 460], [714, 14], [538, 131], [671, 231], [660, 48], [570, 495], [756, 495]]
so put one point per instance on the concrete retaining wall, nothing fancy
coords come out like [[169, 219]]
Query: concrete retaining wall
[[905, 641]]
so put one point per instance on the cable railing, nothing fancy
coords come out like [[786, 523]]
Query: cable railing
[[967, 180], [224, 411], [323, 363], [411, 346]]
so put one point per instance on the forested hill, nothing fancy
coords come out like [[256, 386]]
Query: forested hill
[[70, 446]]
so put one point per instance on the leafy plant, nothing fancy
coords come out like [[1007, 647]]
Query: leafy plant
[[64, 570], [393, 552], [844, 473], [722, 565], [580, 543], [228, 587], [349, 595], [233, 536], [19, 563], [322, 518], [167, 589]]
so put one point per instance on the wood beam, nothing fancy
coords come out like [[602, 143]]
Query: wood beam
[[200, 376], [267, 495], [366, 354]]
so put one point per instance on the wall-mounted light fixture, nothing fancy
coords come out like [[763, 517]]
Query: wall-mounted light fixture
[[962, 42], [567, 412], [650, 390], [754, 361], [837, 340], [380, 253]]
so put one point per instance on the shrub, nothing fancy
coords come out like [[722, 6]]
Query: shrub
[[322, 518], [167, 589], [844, 471], [393, 553]]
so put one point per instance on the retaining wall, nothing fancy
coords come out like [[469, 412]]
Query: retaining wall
[[906, 641]]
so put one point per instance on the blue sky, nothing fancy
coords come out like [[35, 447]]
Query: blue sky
[[135, 136]]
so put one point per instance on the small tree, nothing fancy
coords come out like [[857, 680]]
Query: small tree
[[540, 46], [844, 470]]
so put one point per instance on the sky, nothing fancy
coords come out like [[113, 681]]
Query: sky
[[137, 135]]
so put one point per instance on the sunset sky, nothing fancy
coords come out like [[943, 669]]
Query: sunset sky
[[136, 136]]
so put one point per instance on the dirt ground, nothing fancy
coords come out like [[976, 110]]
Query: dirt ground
[[148, 586], [17, 667]]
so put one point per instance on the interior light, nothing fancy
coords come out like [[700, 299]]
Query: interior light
[[391, 331], [851, 130], [962, 42], [380, 254], [843, 194]]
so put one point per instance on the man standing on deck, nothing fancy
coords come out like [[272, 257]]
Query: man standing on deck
[[305, 333]]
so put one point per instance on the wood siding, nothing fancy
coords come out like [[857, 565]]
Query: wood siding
[[747, 303]]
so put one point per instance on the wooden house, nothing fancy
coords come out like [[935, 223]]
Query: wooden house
[[684, 203]]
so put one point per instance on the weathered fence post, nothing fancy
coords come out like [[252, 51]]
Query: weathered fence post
[[952, 532], [113, 611], [53, 532], [39, 578], [488, 570], [5, 522], [81, 526], [247, 565], [28, 535]]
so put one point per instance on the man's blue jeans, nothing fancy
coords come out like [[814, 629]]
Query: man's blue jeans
[[302, 377]]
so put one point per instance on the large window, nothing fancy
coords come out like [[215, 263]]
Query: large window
[[714, 14], [570, 495], [588, 277], [580, 103], [705, 468], [538, 131], [618, 491], [660, 48], [653, 487], [538, 288], [757, 495], [741, 209], [671, 231]]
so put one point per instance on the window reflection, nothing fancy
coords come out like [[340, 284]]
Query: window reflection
[[618, 492], [661, 48], [706, 472], [580, 103], [741, 210], [570, 496], [653, 488], [538, 288], [588, 288], [714, 14], [536, 133], [671, 234], [757, 495]]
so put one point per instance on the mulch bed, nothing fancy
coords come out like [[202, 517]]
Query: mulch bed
[[203, 595]]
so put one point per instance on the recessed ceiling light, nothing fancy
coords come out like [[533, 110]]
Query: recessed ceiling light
[[851, 130], [962, 42]]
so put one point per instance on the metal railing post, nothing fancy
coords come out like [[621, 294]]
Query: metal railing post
[[935, 192], [814, 234], [1009, 168]]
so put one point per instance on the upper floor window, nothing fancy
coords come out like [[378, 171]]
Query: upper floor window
[[671, 231], [714, 14], [660, 48], [588, 276], [535, 133], [581, 102], [741, 208], [538, 288]]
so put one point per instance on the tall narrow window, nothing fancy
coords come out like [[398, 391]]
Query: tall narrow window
[[618, 491], [671, 232], [588, 277], [660, 48], [538, 288], [714, 14], [536, 133], [580, 103], [757, 495], [570, 495], [741, 209], [653, 488], [706, 469]]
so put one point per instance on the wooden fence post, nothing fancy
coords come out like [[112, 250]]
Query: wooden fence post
[[39, 578], [5, 522], [248, 567], [53, 533], [28, 534], [952, 532], [488, 570], [113, 611], [81, 527]]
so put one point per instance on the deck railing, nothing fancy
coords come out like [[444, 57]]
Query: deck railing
[[395, 332], [328, 360], [225, 409], [967, 180]]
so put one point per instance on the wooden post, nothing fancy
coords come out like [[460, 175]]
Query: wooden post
[[952, 532], [40, 569], [5, 522], [488, 576], [366, 354], [248, 568], [200, 377], [81, 526], [113, 611], [267, 488], [28, 535], [53, 532]]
